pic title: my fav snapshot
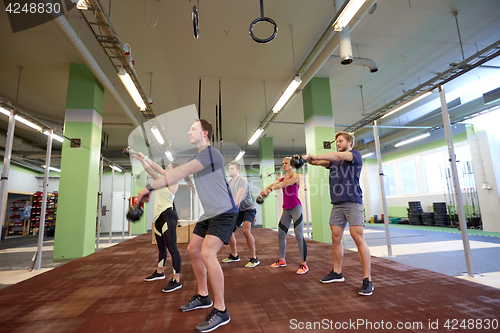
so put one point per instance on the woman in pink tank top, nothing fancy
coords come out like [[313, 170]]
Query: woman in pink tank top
[[292, 211]]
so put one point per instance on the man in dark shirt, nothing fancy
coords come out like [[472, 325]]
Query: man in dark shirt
[[347, 199]]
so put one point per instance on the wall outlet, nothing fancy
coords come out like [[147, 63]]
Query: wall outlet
[[327, 145]]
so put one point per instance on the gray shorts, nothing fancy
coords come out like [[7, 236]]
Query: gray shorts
[[347, 211]]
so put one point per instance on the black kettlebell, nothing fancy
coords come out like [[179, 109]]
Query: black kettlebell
[[129, 152], [260, 199], [135, 212], [126, 151], [296, 161]]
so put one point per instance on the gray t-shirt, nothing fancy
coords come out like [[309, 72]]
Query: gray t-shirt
[[211, 185], [246, 201]]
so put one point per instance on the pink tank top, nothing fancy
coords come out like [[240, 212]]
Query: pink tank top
[[290, 195]]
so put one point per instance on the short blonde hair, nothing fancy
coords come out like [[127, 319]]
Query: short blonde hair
[[348, 136]]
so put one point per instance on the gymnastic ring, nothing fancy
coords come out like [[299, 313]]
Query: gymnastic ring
[[195, 17], [266, 40]]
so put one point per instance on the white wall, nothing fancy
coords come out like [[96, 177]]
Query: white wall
[[119, 205], [485, 147], [370, 185]]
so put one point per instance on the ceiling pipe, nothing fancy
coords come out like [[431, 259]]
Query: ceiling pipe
[[345, 46], [89, 60], [310, 67], [372, 66]]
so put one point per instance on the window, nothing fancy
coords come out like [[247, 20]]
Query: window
[[389, 179], [408, 177], [434, 172], [464, 167]]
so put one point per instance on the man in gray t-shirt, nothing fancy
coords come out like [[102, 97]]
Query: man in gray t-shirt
[[241, 193]]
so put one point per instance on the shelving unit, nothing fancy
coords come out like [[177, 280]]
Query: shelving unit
[[50, 212], [13, 210]]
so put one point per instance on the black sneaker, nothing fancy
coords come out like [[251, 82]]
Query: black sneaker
[[215, 319], [172, 285], [332, 277], [253, 262], [367, 288], [231, 258], [197, 302], [155, 276]]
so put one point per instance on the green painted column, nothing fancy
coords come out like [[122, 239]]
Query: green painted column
[[266, 155], [318, 118], [79, 179]]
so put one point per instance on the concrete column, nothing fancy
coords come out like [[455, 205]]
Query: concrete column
[[266, 155], [79, 180], [319, 127]]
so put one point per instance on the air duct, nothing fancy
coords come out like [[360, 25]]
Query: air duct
[[372, 66], [345, 46], [89, 60]]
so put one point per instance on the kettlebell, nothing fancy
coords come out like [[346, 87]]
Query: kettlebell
[[297, 161], [126, 151], [259, 199], [129, 152], [135, 212]]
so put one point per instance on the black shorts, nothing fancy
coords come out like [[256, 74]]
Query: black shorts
[[220, 226], [245, 215]]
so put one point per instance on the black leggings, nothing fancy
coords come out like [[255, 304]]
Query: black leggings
[[165, 229]]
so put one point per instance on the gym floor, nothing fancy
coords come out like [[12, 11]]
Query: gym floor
[[106, 291]]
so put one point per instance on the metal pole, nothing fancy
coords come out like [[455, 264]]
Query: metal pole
[[111, 205], [41, 228], [6, 165], [382, 189], [131, 190], [305, 198], [458, 193], [124, 202], [99, 204]]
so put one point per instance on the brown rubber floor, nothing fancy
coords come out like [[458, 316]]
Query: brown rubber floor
[[106, 292]]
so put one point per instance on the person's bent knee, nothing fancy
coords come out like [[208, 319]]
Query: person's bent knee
[[193, 251], [206, 255], [247, 232]]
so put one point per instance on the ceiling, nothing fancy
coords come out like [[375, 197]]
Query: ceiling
[[411, 41]]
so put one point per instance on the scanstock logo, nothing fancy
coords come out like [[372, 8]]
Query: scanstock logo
[[28, 14]]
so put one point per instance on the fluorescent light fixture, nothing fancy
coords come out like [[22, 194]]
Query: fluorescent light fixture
[[54, 136], [82, 4], [27, 122], [131, 88], [367, 155], [347, 14], [240, 155], [256, 135], [287, 94], [158, 136], [169, 156], [407, 103], [114, 167], [5, 111], [51, 168], [20, 119], [416, 138]]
